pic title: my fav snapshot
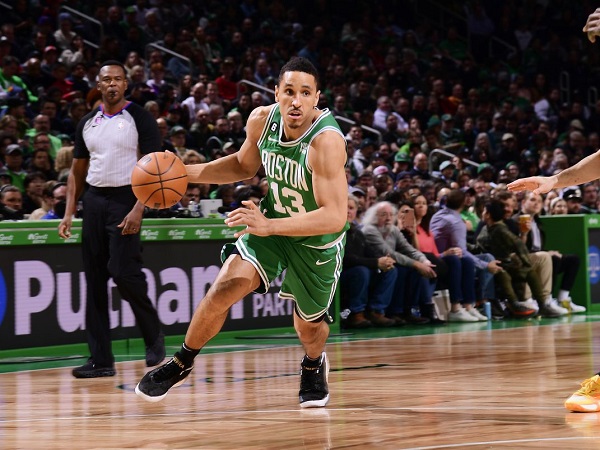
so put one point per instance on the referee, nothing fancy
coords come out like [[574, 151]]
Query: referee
[[108, 143]]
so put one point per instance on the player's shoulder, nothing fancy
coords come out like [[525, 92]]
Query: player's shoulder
[[260, 114], [257, 120]]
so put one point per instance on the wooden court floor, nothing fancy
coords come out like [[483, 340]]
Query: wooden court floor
[[471, 386]]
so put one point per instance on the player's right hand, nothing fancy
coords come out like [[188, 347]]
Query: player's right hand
[[64, 227], [539, 185]]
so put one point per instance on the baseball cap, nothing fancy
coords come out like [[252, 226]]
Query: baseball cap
[[403, 175], [12, 149], [447, 117], [446, 164], [228, 145], [433, 121], [64, 16], [401, 157], [50, 48], [576, 123], [507, 136], [483, 166], [355, 190], [379, 170], [571, 193], [367, 142], [176, 130]]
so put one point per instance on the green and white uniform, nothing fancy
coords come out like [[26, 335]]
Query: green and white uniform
[[312, 263]]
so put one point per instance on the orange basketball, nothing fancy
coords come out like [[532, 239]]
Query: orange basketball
[[159, 180]]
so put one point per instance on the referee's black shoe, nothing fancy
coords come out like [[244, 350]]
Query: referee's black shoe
[[91, 370], [314, 391], [155, 385]]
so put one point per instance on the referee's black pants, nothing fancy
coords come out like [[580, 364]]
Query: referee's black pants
[[107, 253]]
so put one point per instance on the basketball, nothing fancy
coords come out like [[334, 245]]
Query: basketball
[[159, 180]]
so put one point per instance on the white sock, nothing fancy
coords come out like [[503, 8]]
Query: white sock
[[563, 295]]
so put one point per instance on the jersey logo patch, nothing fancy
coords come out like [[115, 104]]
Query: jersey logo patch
[[303, 147], [320, 263], [121, 125]]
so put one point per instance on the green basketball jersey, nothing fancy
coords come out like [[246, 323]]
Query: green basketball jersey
[[289, 173]]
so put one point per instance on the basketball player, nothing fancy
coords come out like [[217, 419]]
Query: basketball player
[[108, 143], [299, 227], [586, 399]]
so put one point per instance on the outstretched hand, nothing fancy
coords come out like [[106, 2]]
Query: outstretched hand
[[539, 185], [251, 216], [592, 26]]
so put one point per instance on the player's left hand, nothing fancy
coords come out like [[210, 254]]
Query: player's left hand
[[256, 223]]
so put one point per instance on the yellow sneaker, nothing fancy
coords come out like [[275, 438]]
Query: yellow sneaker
[[586, 399]]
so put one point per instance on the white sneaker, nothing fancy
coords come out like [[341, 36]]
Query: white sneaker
[[531, 304], [475, 313], [552, 305], [462, 315], [573, 307]]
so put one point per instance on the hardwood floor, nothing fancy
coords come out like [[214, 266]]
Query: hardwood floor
[[473, 388]]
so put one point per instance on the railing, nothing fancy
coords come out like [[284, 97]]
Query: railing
[[159, 47], [90, 19], [364, 127], [449, 154], [258, 87], [565, 87]]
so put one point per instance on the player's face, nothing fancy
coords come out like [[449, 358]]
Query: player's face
[[297, 96], [112, 83]]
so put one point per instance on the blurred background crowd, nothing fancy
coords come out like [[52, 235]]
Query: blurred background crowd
[[433, 97]]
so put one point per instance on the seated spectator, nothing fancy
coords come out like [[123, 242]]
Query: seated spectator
[[58, 202], [193, 157], [568, 265], [558, 206], [365, 275], [386, 239], [541, 260], [34, 186], [459, 275], [11, 203], [13, 156], [517, 268], [450, 231], [409, 225], [46, 201], [62, 164]]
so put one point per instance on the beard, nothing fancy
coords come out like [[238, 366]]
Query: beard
[[385, 229]]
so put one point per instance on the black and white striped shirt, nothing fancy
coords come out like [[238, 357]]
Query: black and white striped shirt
[[114, 143]]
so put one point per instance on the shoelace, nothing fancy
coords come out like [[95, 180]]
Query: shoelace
[[589, 387], [169, 370]]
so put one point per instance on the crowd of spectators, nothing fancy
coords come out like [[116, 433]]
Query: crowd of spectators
[[489, 91]]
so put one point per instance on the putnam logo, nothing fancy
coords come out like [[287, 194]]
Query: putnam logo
[[3, 297]]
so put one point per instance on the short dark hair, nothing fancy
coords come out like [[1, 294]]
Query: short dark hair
[[455, 199], [495, 209], [114, 62], [299, 64]]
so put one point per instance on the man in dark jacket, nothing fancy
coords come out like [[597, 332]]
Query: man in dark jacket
[[364, 276], [497, 239]]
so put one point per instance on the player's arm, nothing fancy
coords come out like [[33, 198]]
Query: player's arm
[[587, 169], [327, 157], [236, 167]]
